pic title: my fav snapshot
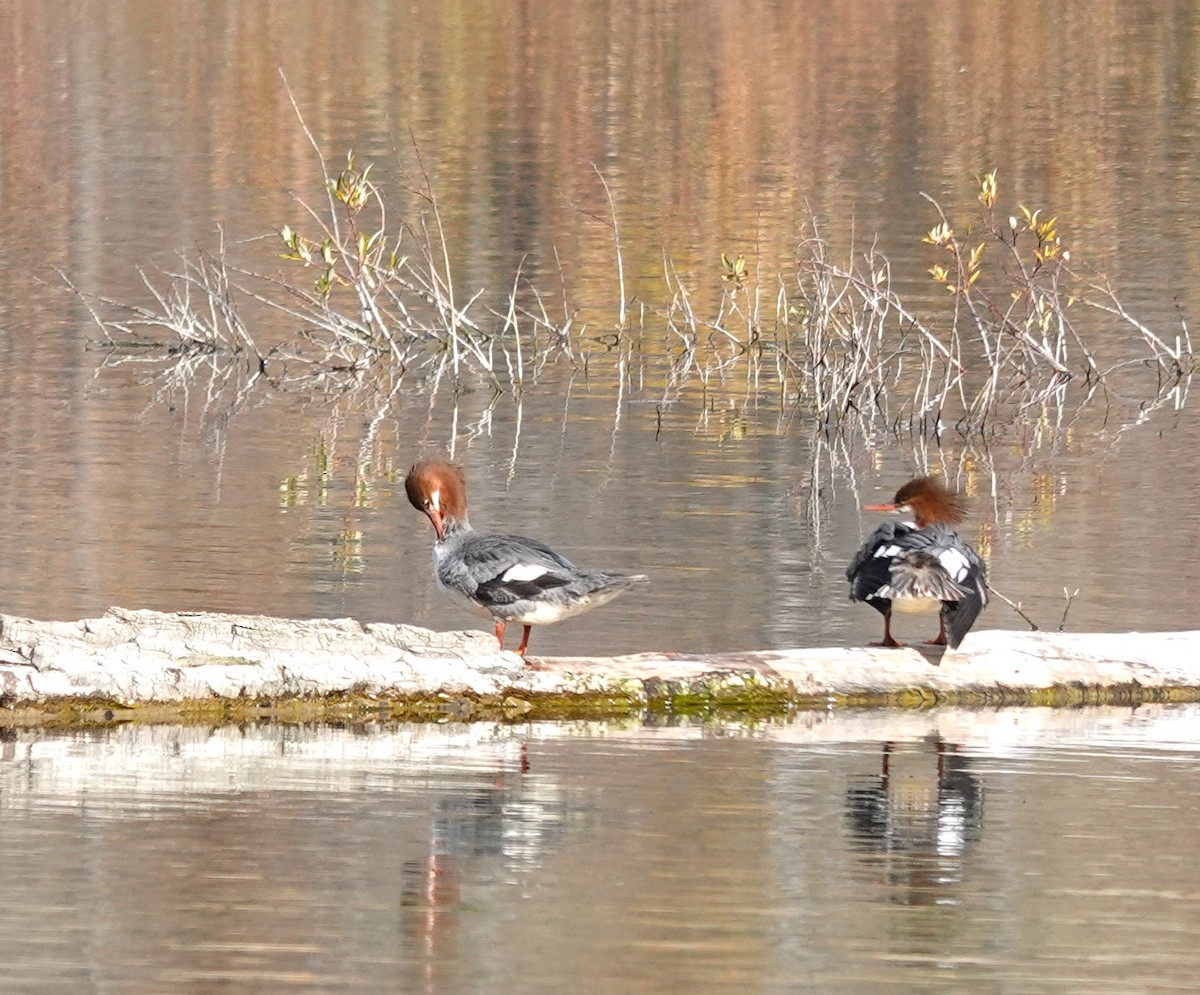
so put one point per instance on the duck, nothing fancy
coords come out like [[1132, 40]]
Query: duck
[[922, 565], [507, 578]]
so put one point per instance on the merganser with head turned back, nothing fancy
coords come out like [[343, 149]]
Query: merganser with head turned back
[[502, 577], [921, 566]]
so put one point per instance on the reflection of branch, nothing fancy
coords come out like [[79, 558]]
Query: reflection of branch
[[370, 437], [512, 460], [224, 383], [616, 427], [1181, 356], [616, 232]]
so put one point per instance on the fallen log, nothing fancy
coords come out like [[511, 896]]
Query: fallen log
[[184, 663]]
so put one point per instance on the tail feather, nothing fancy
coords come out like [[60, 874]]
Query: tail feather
[[619, 581], [921, 575], [598, 587]]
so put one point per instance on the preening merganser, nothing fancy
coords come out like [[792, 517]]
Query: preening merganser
[[502, 577], [921, 567]]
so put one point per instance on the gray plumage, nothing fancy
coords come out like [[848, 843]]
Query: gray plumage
[[505, 578], [486, 569]]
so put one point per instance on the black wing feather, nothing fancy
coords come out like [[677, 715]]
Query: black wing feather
[[867, 572], [960, 615], [499, 591]]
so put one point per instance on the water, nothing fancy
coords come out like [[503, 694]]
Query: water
[[134, 133], [269, 859], [1016, 850]]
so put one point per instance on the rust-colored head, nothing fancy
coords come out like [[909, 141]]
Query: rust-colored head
[[928, 500], [439, 489]]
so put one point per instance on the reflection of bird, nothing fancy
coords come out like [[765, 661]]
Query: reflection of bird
[[921, 811], [503, 577], [921, 566], [504, 822]]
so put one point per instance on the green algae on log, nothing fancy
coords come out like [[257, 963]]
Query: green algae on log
[[216, 665]]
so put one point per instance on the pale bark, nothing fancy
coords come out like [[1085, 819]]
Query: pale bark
[[142, 657]]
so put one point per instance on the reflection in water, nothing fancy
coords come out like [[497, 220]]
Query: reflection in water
[[504, 826], [431, 895], [914, 823], [674, 858], [261, 850], [917, 820], [919, 814]]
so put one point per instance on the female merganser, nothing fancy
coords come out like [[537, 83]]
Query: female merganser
[[502, 577], [921, 567]]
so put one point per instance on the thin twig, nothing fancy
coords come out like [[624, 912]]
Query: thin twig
[[1070, 596], [1015, 606]]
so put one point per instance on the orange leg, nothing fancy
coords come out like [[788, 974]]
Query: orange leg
[[500, 634], [941, 636], [524, 641], [888, 639]]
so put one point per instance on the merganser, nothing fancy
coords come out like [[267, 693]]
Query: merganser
[[922, 566], [502, 577]]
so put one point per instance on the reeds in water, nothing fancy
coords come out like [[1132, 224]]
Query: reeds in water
[[372, 301]]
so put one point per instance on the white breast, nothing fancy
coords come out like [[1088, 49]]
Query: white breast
[[916, 606]]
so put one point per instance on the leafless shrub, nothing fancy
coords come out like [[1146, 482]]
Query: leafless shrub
[[370, 299]]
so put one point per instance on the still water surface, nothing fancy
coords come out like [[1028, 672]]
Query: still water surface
[[129, 132], [1007, 851]]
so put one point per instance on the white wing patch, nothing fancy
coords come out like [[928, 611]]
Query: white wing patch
[[955, 564], [892, 550], [523, 571]]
